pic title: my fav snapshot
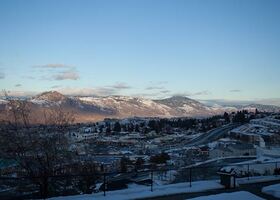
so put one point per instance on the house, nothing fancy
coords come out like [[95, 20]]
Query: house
[[204, 151]]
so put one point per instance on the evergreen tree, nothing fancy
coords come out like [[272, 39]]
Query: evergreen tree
[[226, 117], [160, 158], [117, 127], [108, 129], [139, 162], [124, 163], [137, 128]]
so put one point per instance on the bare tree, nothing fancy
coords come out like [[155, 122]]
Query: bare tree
[[18, 111], [58, 117], [40, 151]]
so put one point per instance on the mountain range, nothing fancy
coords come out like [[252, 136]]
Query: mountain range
[[97, 108]]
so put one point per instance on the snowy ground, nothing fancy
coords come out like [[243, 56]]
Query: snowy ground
[[242, 195], [136, 191], [257, 179], [273, 190]]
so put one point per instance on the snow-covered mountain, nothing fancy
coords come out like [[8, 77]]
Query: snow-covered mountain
[[187, 107], [98, 108], [260, 107]]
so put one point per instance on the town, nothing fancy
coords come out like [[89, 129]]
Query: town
[[126, 150]]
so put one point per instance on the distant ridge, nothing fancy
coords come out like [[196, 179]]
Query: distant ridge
[[98, 108]]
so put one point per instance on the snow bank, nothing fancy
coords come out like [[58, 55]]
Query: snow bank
[[2, 101], [257, 179], [138, 191], [242, 195], [273, 190]]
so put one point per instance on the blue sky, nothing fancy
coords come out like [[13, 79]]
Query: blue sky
[[202, 49]]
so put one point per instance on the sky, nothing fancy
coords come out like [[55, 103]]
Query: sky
[[203, 49]]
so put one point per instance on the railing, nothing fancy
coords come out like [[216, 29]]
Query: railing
[[70, 184]]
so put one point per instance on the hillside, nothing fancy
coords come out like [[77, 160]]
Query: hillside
[[97, 108]]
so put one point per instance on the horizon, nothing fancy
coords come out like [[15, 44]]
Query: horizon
[[208, 102], [211, 50]]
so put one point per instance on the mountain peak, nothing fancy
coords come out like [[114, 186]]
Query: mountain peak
[[51, 96], [179, 97]]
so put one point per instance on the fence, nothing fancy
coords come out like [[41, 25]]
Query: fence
[[69, 184]]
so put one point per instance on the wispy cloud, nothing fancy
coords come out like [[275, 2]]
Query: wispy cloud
[[159, 85], [18, 85], [154, 95], [56, 86], [53, 66], [99, 91], [114, 89], [155, 88], [57, 72], [181, 94], [66, 75], [120, 86], [165, 91], [192, 94], [235, 90], [205, 92]]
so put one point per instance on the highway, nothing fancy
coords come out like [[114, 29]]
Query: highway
[[211, 136]]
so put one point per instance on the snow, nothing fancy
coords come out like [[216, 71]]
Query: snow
[[44, 102], [252, 129], [39, 101], [257, 179], [242, 195], [267, 121], [273, 190], [262, 166], [187, 108], [139, 191], [269, 152], [2, 101]]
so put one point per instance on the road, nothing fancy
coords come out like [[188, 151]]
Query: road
[[211, 136]]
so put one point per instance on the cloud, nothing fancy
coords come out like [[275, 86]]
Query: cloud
[[95, 91], [181, 94], [192, 94], [120, 86], [57, 72], [99, 91], [55, 86], [53, 66], [2, 75], [205, 92], [165, 91], [154, 88], [66, 75], [156, 85], [235, 90], [155, 95], [18, 85]]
